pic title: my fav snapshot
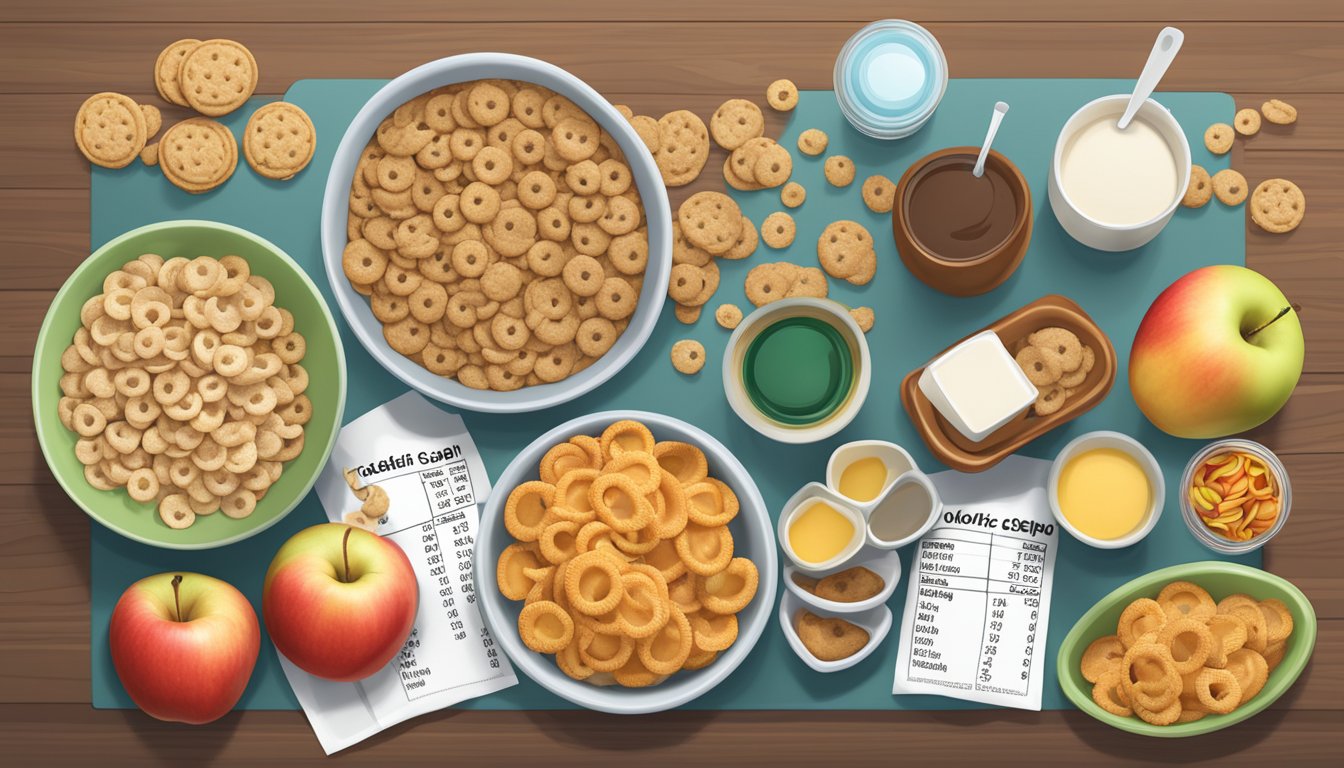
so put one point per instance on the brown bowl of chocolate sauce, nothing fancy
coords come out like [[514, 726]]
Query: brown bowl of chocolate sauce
[[959, 233]]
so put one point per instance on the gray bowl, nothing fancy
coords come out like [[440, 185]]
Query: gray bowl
[[753, 537], [355, 308]]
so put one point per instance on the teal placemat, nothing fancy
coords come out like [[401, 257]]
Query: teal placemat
[[913, 323]]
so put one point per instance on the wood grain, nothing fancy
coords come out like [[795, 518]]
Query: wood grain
[[655, 57]]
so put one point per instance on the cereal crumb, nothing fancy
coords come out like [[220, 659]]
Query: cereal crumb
[[864, 317]]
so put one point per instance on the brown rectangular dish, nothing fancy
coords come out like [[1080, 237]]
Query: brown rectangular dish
[[954, 449]]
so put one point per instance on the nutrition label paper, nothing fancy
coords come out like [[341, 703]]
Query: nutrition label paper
[[978, 602], [426, 463]]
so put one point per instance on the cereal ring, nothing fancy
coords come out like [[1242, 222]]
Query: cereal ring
[[428, 303], [595, 336], [1251, 671], [616, 300], [766, 283], [782, 95], [1139, 617], [1041, 369], [593, 584], [604, 653], [479, 203], [1278, 621], [839, 171], [706, 551], [793, 194], [1149, 676], [175, 511], [1247, 122], [1189, 642], [545, 627], [488, 105], [879, 194], [1218, 138], [511, 570], [362, 262], [713, 632], [1218, 690], [1200, 188], [143, 485], [1229, 187], [778, 230], [525, 510], [553, 224], [407, 336], [619, 503], [686, 283], [583, 275], [1103, 656], [730, 590], [1186, 599]]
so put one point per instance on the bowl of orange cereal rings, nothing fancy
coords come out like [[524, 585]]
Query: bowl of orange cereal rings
[[188, 384], [496, 233], [627, 562], [1188, 650]]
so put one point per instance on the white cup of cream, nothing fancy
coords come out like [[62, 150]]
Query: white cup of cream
[[1115, 190]]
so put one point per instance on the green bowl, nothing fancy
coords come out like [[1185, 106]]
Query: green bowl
[[1220, 579], [324, 360]]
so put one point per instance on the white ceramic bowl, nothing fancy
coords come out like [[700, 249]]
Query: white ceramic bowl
[[752, 538], [1111, 237], [876, 620], [355, 308], [1122, 442], [822, 309], [884, 562]]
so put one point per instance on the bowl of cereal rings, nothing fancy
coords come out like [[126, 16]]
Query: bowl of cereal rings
[[490, 225], [1188, 650], [188, 384], [626, 562]]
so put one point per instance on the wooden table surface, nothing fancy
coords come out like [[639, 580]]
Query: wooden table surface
[[655, 57]]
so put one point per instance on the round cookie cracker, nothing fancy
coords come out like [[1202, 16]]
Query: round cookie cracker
[[198, 154], [683, 147], [782, 95], [1050, 399], [218, 76], [1200, 189], [746, 244], [1218, 138], [736, 121], [1230, 187], [813, 141], [778, 230], [711, 221], [728, 316], [879, 194], [769, 282], [773, 166], [1247, 122], [845, 251], [167, 67], [793, 194], [688, 356], [1277, 206], [110, 129], [839, 171], [279, 140], [1041, 369]]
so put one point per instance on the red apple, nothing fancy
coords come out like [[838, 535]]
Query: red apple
[[184, 645], [1219, 351], [339, 601]]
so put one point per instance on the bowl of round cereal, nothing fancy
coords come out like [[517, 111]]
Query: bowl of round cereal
[[188, 384], [489, 227]]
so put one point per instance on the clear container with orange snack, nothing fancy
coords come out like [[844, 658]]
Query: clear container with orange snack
[[1235, 496]]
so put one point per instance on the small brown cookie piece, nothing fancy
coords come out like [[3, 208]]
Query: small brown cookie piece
[[839, 170], [150, 155], [845, 251], [793, 194], [850, 585], [1277, 206], [829, 639], [1279, 112], [1218, 138], [685, 283], [683, 147], [778, 230], [688, 356], [1049, 399], [879, 194], [685, 314], [747, 240], [782, 95], [742, 161], [736, 121], [1247, 122], [863, 317], [1230, 187], [647, 129], [813, 141], [218, 76], [769, 282], [773, 167], [110, 129], [198, 154], [167, 67], [280, 139], [1060, 345], [153, 120], [684, 252], [710, 221], [809, 282], [1041, 369], [1200, 189], [728, 316]]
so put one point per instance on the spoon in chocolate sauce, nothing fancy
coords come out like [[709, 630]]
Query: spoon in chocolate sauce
[[979, 201]]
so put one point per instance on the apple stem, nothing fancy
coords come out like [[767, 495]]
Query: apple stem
[[345, 553], [177, 599], [1272, 320]]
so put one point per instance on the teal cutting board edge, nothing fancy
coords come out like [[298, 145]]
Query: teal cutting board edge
[[913, 324]]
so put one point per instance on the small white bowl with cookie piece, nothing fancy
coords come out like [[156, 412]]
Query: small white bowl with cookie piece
[[472, 329], [830, 642]]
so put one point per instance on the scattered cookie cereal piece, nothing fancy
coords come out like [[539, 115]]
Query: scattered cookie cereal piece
[[198, 154], [793, 194], [1247, 122], [217, 77], [864, 317], [747, 241], [1279, 112], [153, 120], [782, 95], [110, 129], [813, 141], [778, 230], [688, 356], [1218, 138], [1200, 189], [839, 170], [728, 316], [167, 67], [879, 194], [736, 121], [685, 314], [279, 140], [150, 155], [845, 250], [711, 221], [683, 147], [1230, 187], [1278, 206]]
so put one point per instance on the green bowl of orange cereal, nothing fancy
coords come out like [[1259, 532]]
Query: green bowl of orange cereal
[[188, 384]]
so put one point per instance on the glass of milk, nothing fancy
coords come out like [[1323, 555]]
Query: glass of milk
[[1115, 190]]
